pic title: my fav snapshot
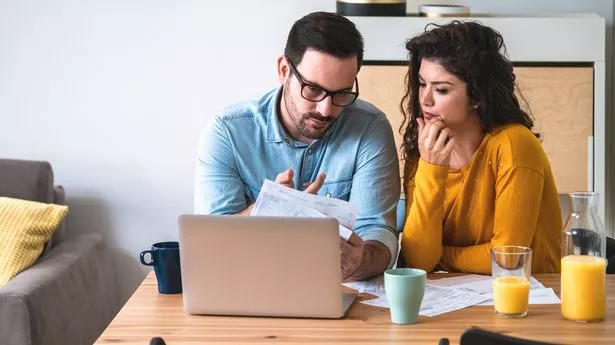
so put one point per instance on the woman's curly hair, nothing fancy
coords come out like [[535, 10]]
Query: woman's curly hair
[[475, 54]]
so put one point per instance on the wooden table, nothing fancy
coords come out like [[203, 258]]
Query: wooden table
[[148, 314]]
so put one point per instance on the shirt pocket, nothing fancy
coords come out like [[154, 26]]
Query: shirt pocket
[[336, 189]]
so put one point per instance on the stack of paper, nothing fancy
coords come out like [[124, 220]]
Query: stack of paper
[[281, 201], [449, 294], [483, 285]]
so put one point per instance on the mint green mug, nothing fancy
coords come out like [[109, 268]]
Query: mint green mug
[[404, 288]]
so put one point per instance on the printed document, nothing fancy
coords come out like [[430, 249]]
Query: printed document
[[475, 283], [436, 300], [483, 285], [537, 296], [278, 200], [450, 294]]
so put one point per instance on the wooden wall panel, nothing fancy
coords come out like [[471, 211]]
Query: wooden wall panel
[[560, 98], [383, 86]]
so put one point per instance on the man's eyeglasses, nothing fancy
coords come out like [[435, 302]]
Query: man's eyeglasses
[[315, 93]]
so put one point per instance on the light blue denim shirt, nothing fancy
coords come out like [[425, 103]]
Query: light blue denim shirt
[[247, 144]]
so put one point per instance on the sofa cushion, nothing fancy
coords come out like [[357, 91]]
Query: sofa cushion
[[32, 180], [25, 227], [25, 179]]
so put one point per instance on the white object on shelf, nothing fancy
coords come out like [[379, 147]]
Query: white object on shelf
[[435, 11]]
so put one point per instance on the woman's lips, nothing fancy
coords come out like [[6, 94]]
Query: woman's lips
[[428, 116]]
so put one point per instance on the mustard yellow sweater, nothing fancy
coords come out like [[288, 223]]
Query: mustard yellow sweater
[[505, 195]]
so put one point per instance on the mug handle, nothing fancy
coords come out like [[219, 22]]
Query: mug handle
[[151, 255]]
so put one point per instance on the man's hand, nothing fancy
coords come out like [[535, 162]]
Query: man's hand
[[352, 254], [285, 178], [374, 260]]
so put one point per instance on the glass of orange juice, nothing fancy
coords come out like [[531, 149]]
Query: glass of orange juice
[[511, 271]]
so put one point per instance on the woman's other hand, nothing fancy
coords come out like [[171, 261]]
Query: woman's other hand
[[435, 141]]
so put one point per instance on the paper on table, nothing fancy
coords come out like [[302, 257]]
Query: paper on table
[[475, 283], [459, 280], [449, 294], [537, 296], [544, 296], [278, 200], [483, 285], [374, 286], [381, 302], [437, 300]]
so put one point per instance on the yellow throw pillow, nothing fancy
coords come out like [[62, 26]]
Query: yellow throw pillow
[[25, 227]]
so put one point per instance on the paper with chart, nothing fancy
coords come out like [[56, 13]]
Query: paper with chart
[[476, 283], [436, 300], [537, 296], [449, 294], [483, 285], [278, 200]]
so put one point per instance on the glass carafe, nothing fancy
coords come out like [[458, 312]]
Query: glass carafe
[[583, 273], [584, 232]]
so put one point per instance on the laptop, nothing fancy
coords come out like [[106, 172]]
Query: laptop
[[261, 266]]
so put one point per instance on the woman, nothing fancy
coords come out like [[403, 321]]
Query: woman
[[476, 176]]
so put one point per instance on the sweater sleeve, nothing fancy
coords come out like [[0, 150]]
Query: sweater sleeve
[[421, 241], [517, 205]]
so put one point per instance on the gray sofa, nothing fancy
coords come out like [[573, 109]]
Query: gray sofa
[[70, 294]]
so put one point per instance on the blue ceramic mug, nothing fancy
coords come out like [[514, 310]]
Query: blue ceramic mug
[[164, 256], [404, 288]]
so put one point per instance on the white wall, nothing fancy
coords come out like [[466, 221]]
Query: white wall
[[114, 93]]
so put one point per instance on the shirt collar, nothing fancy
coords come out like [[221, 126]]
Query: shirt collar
[[275, 131]]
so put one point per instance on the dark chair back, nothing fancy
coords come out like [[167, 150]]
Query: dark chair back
[[478, 336], [157, 341], [610, 255]]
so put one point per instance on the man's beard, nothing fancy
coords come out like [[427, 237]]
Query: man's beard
[[301, 121], [308, 131]]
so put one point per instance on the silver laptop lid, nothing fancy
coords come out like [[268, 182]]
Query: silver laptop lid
[[260, 266]]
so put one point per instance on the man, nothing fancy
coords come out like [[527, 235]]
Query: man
[[311, 134]]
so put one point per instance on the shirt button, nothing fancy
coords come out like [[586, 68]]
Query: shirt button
[[309, 151], [328, 195]]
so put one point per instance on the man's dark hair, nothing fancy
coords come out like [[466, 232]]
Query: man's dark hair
[[326, 32]]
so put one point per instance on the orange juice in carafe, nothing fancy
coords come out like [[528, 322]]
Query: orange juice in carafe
[[583, 287], [583, 269]]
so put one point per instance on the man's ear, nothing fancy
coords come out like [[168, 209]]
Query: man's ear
[[283, 69]]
